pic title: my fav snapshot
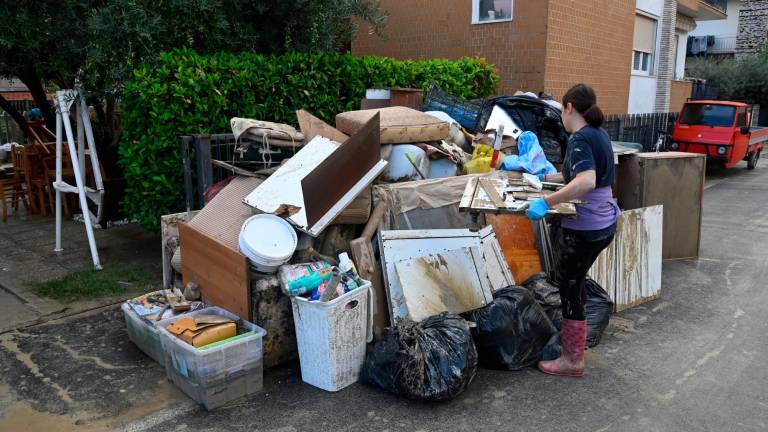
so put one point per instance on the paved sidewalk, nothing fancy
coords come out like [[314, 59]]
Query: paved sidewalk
[[26, 255]]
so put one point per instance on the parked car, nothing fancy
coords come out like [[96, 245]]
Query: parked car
[[720, 130]]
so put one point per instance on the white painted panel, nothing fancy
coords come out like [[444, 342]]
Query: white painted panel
[[397, 246], [630, 269], [284, 186], [441, 282], [642, 94], [499, 274]]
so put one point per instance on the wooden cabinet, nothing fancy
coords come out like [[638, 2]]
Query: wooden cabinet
[[674, 180]]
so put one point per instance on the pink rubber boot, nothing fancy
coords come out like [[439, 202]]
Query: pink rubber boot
[[571, 361]]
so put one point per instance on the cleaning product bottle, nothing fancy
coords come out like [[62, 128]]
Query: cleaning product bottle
[[349, 270], [307, 277]]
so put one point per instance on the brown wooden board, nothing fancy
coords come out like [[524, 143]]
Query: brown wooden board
[[312, 126], [221, 273], [518, 242], [341, 171]]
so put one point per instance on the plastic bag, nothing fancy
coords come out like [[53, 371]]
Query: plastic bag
[[599, 309], [511, 331], [432, 360], [553, 348], [547, 295], [530, 157]]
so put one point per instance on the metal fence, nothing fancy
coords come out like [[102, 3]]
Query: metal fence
[[643, 129], [718, 4], [9, 129], [201, 152]]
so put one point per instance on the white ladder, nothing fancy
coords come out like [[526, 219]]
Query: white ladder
[[63, 102]]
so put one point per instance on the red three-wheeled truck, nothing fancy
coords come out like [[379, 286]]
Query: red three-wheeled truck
[[721, 130]]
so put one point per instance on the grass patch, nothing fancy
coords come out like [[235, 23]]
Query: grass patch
[[90, 284]]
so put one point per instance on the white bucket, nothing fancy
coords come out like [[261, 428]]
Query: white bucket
[[268, 241]]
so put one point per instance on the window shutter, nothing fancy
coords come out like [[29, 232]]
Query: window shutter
[[645, 34]]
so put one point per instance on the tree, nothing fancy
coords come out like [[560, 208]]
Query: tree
[[50, 44], [743, 79]]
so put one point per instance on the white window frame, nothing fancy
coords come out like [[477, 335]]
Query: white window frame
[[476, 13], [649, 58], [651, 71]]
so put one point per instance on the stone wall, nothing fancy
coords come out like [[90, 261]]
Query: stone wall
[[753, 27]]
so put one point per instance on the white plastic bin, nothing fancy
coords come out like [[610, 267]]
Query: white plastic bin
[[331, 337], [215, 376]]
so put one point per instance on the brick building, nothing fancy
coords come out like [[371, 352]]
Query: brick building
[[538, 45]]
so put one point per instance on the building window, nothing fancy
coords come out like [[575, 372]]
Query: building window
[[644, 45], [488, 11]]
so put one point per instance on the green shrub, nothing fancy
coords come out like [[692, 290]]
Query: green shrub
[[742, 79], [188, 93]]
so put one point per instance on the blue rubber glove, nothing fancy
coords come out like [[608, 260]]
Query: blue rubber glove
[[541, 177], [537, 210]]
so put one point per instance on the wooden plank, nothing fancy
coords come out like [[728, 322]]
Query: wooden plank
[[492, 193], [337, 174], [221, 273], [312, 126], [518, 242], [499, 273]]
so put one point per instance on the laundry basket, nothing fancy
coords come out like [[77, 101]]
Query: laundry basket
[[331, 338]]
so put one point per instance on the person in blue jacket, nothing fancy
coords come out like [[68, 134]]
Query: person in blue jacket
[[588, 172]]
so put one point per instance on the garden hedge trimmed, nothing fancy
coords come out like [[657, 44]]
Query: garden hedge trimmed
[[189, 93]]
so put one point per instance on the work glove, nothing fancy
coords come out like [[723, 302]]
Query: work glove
[[541, 177], [537, 210]]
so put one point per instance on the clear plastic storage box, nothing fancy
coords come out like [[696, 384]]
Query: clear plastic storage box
[[217, 375], [144, 334]]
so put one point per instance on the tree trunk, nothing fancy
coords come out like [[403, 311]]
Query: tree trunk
[[14, 113], [40, 96]]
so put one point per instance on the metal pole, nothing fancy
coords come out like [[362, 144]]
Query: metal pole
[[80, 139], [94, 156], [78, 179], [58, 179]]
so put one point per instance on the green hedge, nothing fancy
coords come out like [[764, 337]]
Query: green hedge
[[188, 93]]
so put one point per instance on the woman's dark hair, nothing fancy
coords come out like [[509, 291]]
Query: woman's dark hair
[[584, 100]]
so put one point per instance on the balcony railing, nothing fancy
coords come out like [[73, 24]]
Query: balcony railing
[[724, 45], [722, 5]]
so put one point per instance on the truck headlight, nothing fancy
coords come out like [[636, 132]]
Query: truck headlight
[[674, 145], [722, 150]]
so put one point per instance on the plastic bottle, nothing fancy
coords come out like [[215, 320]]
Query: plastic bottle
[[312, 278], [349, 270]]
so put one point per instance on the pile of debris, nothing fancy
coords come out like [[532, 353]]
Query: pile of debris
[[397, 231]]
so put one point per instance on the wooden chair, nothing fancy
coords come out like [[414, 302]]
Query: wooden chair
[[15, 184]]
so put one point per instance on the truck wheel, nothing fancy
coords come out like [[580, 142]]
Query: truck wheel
[[754, 157]]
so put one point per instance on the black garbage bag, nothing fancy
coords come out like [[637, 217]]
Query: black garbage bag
[[547, 295], [511, 331], [553, 348], [535, 115], [599, 310], [433, 360]]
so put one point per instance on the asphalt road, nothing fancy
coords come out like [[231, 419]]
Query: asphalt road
[[692, 361]]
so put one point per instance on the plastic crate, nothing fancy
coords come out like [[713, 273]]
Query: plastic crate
[[144, 334], [220, 374], [465, 112], [331, 337]]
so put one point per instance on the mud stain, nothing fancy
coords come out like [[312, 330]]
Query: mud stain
[[7, 341]]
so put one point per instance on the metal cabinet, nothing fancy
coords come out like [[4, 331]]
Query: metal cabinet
[[674, 180]]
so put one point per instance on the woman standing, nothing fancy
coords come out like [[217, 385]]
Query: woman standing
[[588, 172]]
